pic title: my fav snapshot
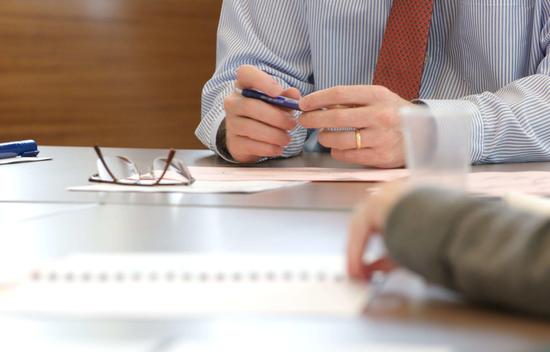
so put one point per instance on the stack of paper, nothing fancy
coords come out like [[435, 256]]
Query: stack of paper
[[253, 179], [197, 187]]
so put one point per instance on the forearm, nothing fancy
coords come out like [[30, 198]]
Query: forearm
[[510, 125], [484, 249]]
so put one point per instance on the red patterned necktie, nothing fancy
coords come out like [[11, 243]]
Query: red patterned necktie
[[401, 59]]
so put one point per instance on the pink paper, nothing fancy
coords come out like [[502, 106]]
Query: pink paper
[[500, 183], [295, 174]]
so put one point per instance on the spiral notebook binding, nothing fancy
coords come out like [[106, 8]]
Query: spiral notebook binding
[[172, 276]]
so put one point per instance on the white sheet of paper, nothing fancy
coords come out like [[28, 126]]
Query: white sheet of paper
[[18, 160], [73, 344], [253, 179], [197, 187], [295, 174], [162, 285]]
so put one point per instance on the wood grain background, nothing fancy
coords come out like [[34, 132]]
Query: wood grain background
[[125, 73]]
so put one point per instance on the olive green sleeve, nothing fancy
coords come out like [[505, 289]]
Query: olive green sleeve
[[483, 248]]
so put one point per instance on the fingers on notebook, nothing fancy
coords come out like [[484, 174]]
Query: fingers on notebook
[[360, 232], [384, 264]]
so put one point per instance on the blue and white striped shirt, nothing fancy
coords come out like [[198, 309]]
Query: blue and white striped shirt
[[491, 57]]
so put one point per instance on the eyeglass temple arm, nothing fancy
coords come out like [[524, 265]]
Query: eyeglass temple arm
[[188, 174], [169, 159], [171, 154], [100, 156]]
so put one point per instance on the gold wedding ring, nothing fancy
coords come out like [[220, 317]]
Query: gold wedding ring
[[358, 138]]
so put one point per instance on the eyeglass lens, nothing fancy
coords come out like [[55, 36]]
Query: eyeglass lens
[[122, 169], [176, 172]]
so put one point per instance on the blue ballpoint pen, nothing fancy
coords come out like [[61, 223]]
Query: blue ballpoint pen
[[281, 101], [27, 148]]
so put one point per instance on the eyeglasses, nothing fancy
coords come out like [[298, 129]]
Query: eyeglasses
[[121, 170]]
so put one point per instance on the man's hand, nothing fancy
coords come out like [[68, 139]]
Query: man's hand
[[373, 110], [369, 219], [255, 129]]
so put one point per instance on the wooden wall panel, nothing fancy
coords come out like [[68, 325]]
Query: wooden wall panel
[[122, 73]]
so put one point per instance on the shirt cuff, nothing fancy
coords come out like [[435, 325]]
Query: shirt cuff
[[220, 147], [477, 135], [213, 118]]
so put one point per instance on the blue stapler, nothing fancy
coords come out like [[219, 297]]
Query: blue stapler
[[27, 148]]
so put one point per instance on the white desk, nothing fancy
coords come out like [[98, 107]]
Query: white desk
[[43, 220]]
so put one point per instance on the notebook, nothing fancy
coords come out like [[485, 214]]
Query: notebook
[[162, 285]]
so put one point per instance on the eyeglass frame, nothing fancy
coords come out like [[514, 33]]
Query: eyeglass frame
[[171, 154]]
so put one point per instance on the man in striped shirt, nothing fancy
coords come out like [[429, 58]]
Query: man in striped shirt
[[489, 58]]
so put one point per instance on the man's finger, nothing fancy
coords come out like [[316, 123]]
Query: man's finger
[[359, 234], [360, 117], [258, 131], [258, 110], [370, 137], [365, 156], [251, 77], [385, 158], [292, 93], [384, 264], [345, 95], [247, 146]]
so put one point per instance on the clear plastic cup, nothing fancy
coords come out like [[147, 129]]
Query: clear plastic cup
[[437, 144]]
